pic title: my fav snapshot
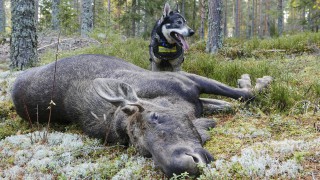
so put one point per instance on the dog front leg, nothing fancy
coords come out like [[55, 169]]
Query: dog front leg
[[176, 64], [155, 66]]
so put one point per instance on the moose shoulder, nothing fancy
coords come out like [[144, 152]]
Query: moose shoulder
[[157, 112]]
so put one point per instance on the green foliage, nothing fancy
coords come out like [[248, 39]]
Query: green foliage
[[10, 124], [273, 47], [68, 16], [45, 19], [181, 176]]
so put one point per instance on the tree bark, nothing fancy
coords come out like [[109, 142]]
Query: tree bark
[[249, 27], [266, 19], [36, 14], [2, 17], [183, 3], [194, 14], [280, 17], [303, 18], [134, 11], [23, 46], [202, 16], [215, 34], [261, 19], [55, 15], [252, 18], [237, 18], [225, 22], [86, 17]]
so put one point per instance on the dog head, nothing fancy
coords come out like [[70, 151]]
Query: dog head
[[174, 27]]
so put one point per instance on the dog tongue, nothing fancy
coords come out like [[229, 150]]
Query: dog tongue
[[185, 45]]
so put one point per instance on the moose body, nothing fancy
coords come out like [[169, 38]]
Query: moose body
[[158, 112]]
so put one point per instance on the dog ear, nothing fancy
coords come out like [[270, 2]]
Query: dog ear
[[166, 10]]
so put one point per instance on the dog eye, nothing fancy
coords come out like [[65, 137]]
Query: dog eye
[[179, 22]]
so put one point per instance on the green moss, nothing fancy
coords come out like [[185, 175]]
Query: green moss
[[10, 123]]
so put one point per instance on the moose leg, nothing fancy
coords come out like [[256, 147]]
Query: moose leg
[[244, 90], [203, 125], [213, 106]]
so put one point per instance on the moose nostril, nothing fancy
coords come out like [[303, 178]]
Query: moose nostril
[[206, 156], [194, 157]]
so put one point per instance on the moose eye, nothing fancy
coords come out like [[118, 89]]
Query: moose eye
[[154, 117]]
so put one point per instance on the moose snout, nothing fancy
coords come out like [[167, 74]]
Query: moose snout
[[201, 156], [186, 160]]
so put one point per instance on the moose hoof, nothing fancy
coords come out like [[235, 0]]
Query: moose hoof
[[244, 82], [263, 83]]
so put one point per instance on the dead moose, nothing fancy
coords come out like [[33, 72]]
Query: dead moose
[[157, 112]]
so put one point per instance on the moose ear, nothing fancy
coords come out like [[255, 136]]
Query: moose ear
[[166, 10], [132, 108], [115, 91]]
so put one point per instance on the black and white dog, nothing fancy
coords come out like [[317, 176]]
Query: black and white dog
[[167, 41]]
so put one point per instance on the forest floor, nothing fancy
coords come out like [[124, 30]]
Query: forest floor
[[276, 137], [45, 44]]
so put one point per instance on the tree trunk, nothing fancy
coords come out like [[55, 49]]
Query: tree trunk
[[134, 11], [183, 3], [23, 46], [303, 18], [194, 14], [280, 17], [138, 23], [252, 18], [36, 14], [225, 22], [55, 15], [202, 15], [86, 17], [266, 19], [2, 17], [249, 9], [237, 18], [261, 18], [215, 35]]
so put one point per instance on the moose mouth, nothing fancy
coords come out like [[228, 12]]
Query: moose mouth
[[179, 39]]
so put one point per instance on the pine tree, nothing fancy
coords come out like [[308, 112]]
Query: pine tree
[[237, 18], [86, 17], [2, 16], [202, 16], [23, 36], [280, 17], [55, 15], [215, 33]]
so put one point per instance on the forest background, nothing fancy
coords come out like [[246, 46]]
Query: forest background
[[276, 136]]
